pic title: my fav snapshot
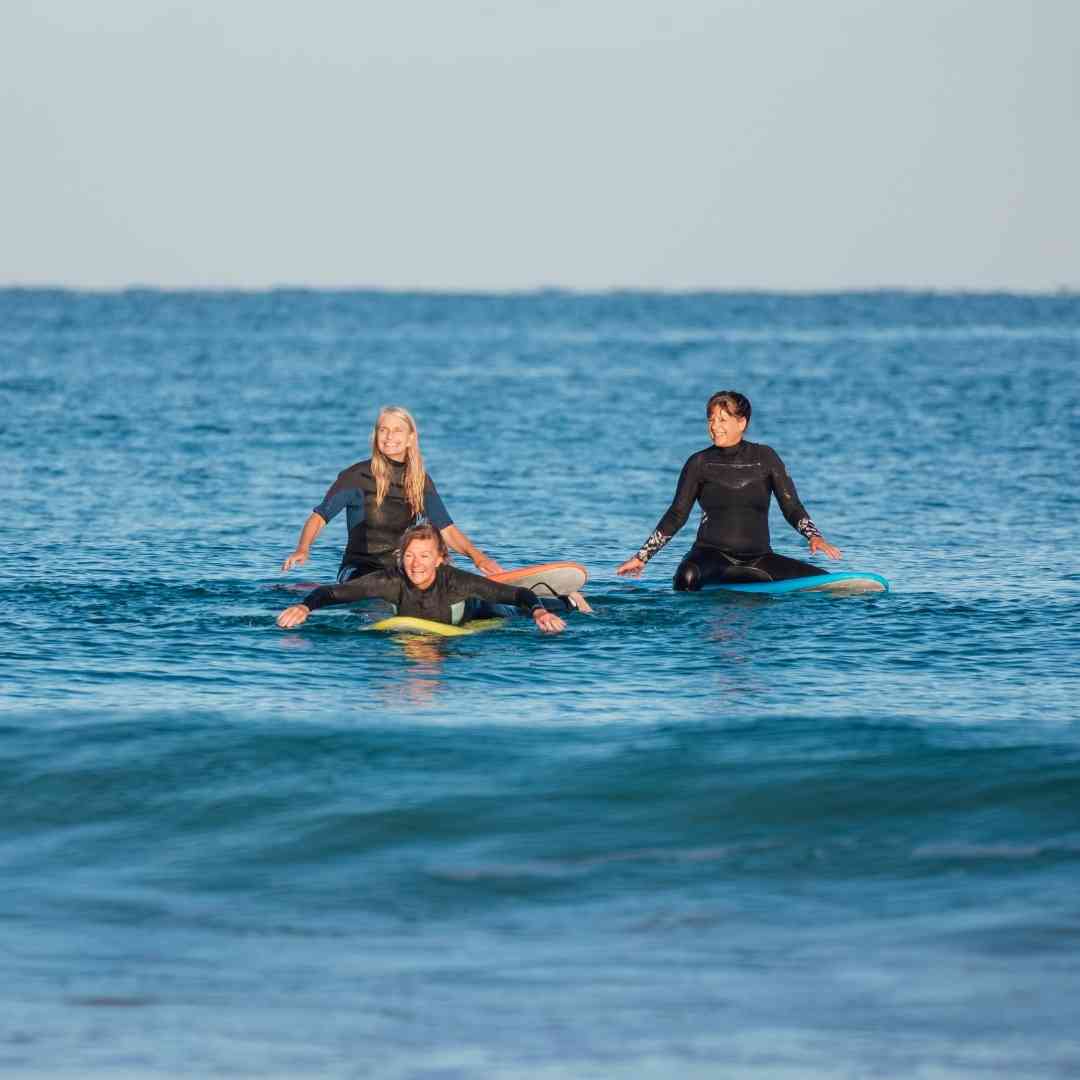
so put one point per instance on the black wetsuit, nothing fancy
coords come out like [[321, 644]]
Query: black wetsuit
[[445, 600], [375, 531], [733, 485]]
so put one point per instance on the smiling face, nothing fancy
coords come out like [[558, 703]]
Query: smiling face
[[420, 559], [394, 437], [726, 429]]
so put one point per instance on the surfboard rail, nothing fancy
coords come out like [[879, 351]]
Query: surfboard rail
[[839, 583]]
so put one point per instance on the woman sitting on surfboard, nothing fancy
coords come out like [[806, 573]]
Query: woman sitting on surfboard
[[732, 480], [382, 497], [424, 586]]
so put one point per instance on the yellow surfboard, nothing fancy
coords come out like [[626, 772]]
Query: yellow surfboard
[[407, 624]]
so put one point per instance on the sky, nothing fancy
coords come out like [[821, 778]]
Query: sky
[[505, 144]]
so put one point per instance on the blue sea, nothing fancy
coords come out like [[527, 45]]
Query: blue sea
[[693, 836]]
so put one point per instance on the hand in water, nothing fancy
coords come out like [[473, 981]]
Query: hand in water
[[819, 543], [547, 622], [631, 568], [293, 616], [297, 558]]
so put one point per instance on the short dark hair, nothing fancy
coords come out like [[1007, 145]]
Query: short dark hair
[[424, 531], [731, 401]]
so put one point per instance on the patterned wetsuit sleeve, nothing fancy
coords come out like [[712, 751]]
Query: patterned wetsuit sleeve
[[787, 497], [434, 508], [463, 585], [337, 497], [686, 491], [381, 586]]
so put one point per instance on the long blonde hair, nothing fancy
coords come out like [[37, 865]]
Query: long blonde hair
[[415, 476]]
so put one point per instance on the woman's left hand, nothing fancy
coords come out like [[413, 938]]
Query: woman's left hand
[[819, 543], [547, 622]]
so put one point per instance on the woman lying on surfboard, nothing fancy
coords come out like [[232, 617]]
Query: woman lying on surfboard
[[382, 496], [424, 586], [732, 481]]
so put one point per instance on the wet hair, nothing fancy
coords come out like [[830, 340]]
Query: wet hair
[[426, 531], [731, 401], [415, 476]]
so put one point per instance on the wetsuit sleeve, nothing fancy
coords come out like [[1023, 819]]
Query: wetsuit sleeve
[[337, 497], [787, 497], [686, 491], [378, 586], [434, 508], [463, 585]]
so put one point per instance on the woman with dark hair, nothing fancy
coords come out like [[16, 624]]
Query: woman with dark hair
[[732, 480], [382, 496], [425, 586]]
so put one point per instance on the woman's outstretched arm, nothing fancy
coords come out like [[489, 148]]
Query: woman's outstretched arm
[[382, 586], [312, 527], [794, 512], [497, 592], [686, 491], [457, 541]]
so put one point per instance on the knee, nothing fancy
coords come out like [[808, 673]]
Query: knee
[[687, 577]]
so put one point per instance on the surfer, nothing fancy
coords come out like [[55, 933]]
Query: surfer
[[732, 480], [425, 586], [381, 497]]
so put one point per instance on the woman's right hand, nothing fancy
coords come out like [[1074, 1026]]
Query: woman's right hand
[[547, 622], [293, 616], [297, 558], [631, 568]]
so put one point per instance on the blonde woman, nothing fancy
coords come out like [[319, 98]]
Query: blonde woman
[[382, 497]]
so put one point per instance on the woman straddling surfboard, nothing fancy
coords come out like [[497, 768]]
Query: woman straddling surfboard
[[732, 480], [424, 586], [382, 496]]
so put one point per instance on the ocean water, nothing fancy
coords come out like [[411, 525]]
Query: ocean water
[[693, 836]]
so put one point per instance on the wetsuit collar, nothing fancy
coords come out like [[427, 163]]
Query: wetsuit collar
[[728, 451]]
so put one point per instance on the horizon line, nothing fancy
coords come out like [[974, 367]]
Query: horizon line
[[1063, 290]]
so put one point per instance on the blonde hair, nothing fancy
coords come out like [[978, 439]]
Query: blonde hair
[[415, 476]]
